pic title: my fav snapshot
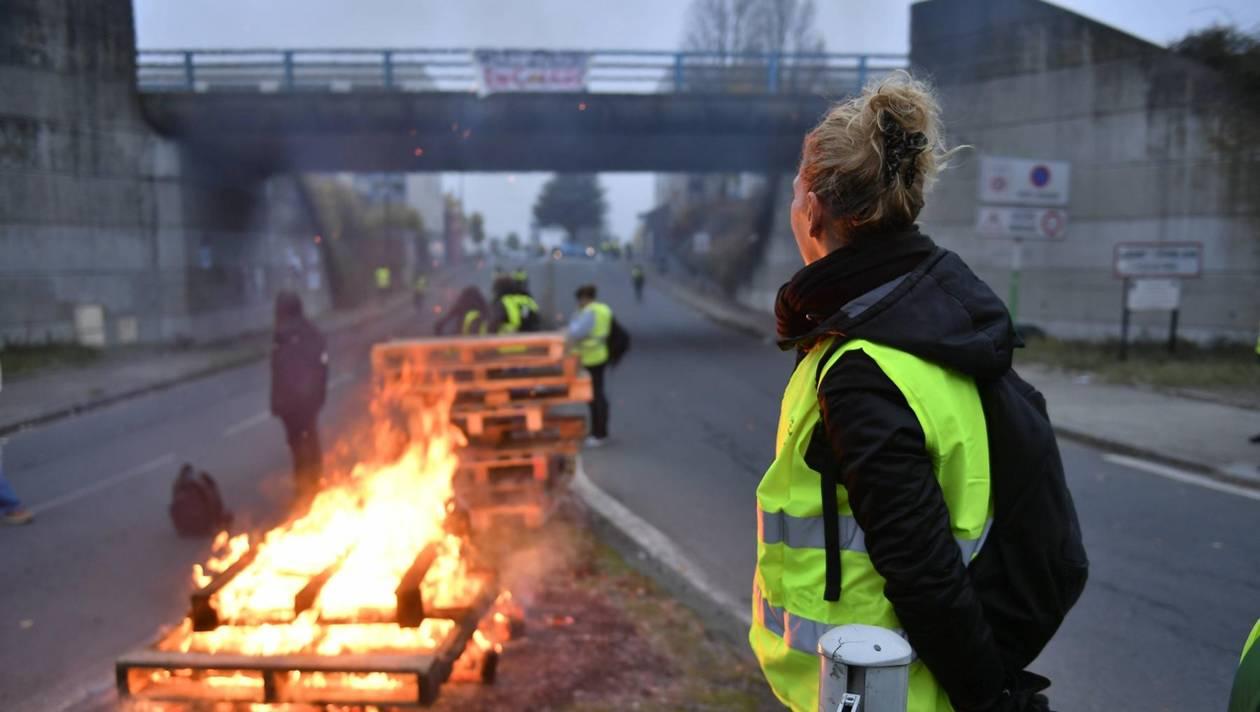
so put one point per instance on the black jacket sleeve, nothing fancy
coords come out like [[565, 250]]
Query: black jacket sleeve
[[880, 450]]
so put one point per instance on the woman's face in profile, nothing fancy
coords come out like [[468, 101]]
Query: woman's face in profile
[[805, 217]]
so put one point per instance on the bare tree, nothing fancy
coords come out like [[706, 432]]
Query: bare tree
[[724, 27]]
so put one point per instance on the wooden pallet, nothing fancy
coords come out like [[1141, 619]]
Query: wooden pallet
[[563, 431], [526, 504], [436, 354], [173, 676], [577, 389]]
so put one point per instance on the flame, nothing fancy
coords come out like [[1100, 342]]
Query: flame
[[360, 535]]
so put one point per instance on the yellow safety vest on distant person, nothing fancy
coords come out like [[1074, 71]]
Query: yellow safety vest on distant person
[[471, 319], [382, 278], [593, 350], [789, 611], [515, 307]]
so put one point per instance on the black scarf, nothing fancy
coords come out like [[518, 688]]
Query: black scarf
[[818, 290]]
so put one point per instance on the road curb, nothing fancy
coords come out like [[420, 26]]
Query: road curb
[[730, 320], [747, 326], [196, 374], [652, 553]]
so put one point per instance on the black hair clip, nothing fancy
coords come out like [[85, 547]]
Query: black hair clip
[[900, 147]]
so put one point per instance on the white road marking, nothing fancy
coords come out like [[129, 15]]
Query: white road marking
[[252, 421], [1176, 475], [71, 497], [653, 541], [341, 379]]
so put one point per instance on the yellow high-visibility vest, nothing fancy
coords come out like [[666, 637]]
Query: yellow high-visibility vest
[[593, 350], [789, 611]]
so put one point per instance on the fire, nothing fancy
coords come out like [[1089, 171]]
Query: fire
[[359, 538]]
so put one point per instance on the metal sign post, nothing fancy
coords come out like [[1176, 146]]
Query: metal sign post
[[1017, 260], [1151, 274], [1022, 199]]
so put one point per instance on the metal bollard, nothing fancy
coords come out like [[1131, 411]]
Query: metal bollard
[[864, 668]]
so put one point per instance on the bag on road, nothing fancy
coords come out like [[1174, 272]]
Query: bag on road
[[196, 506], [618, 342]]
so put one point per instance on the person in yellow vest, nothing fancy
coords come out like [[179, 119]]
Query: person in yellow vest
[[521, 276], [419, 290], [468, 315], [384, 280], [879, 497], [514, 310], [588, 332], [637, 277], [1245, 694]]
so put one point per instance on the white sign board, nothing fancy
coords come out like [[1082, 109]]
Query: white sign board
[[1021, 223], [701, 243], [1159, 259], [532, 71], [1154, 295], [1024, 181]]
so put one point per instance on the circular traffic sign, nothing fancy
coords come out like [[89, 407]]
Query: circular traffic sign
[[1040, 175], [1052, 223]]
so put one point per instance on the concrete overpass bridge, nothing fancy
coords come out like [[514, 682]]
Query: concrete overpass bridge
[[415, 110]]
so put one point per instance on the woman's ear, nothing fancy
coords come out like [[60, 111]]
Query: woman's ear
[[814, 211]]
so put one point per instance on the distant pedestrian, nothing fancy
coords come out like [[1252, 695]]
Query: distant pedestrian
[[11, 510], [588, 331], [419, 290], [299, 385], [384, 281], [468, 315], [637, 278]]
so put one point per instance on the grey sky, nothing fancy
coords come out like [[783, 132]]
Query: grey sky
[[847, 26]]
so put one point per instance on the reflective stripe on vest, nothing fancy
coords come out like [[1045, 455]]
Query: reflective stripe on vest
[[798, 632], [808, 532], [593, 350], [789, 611], [471, 317]]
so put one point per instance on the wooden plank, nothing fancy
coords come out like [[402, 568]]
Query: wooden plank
[[201, 609], [409, 608]]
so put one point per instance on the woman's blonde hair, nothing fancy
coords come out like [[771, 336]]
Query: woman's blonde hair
[[872, 158]]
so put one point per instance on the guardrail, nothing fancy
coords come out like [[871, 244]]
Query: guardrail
[[460, 70]]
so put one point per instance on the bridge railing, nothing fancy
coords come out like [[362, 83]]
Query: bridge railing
[[459, 70]]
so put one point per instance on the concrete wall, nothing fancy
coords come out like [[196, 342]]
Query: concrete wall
[[97, 209], [1141, 128]]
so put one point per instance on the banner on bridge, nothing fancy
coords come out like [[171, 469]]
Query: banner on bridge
[[529, 71]]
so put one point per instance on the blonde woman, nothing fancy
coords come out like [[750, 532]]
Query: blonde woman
[[917, 485]]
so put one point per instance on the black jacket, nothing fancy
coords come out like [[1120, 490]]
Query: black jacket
[[299, 370], [903, 291]]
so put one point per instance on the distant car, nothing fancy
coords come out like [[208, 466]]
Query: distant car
[[573, 252]]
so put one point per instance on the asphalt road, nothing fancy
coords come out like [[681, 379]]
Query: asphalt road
[[1175, 579], [1176, 568]]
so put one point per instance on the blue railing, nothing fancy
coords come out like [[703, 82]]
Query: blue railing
[[459, 70]]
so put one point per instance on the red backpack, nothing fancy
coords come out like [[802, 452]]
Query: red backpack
[[196, 506]]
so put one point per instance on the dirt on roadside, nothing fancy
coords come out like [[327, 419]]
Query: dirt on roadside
[[601, 636]]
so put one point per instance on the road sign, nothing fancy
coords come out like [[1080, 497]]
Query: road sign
[[1159, 294], [1024, 181], [1159, 259], [1023, 223]]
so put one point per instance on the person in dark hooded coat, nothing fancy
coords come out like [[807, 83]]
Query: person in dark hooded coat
[[903, 433], [299, 385]]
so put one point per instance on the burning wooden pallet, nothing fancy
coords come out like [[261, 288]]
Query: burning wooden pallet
[[507, 389], [416, 648]]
